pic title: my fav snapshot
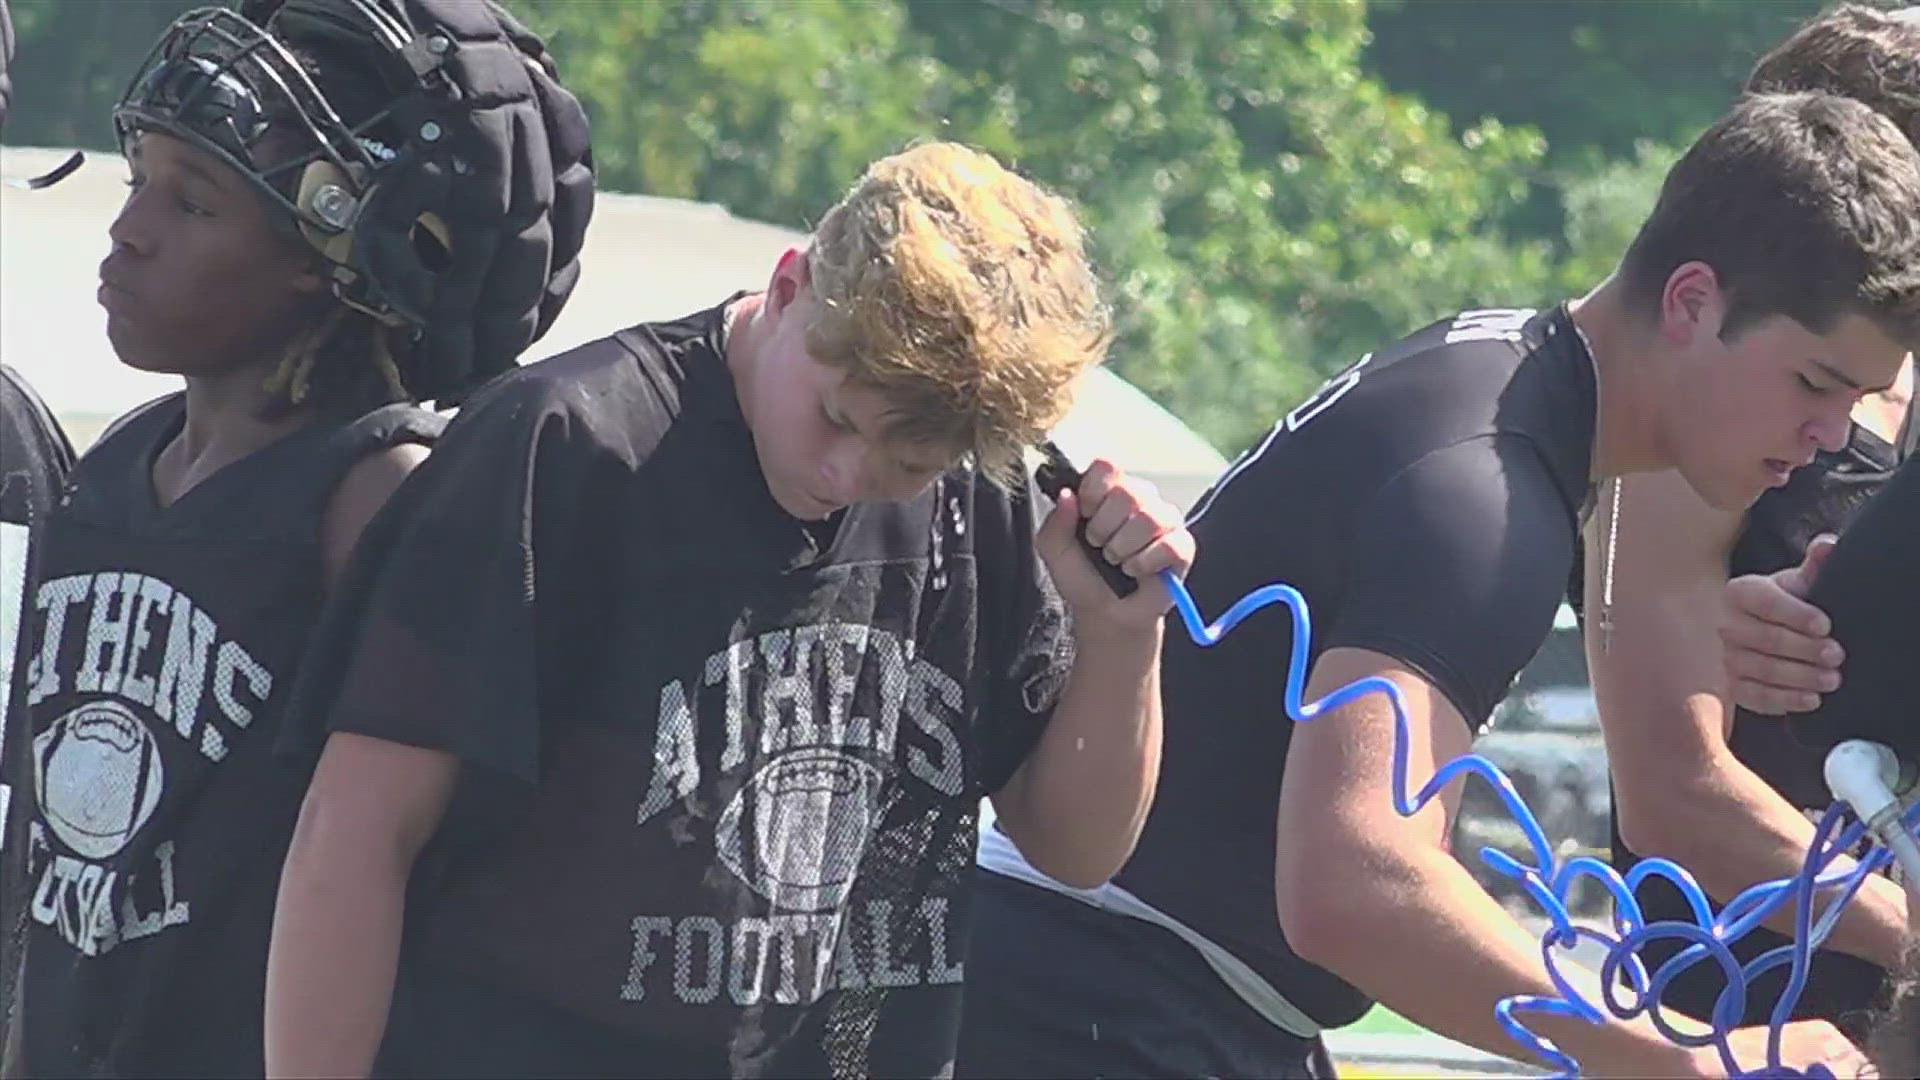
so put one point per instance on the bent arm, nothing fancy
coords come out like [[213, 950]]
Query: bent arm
[[1679, 791], [1077, 804], [1392, 912]]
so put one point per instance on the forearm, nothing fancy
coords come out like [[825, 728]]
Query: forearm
[[1740, 832], [1417, 933], [1680, 792], [330, 974], [1077, 804]]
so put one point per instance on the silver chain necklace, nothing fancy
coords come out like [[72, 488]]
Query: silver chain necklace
[[1606, 565]]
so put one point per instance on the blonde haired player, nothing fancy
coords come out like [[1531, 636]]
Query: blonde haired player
[[665, 707]]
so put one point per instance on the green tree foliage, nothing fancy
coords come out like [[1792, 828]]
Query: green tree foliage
[[1604, 209], [1613, 85], [1266, 204], [769, 107], [1596, 77], [1264, 210], [72, 61]]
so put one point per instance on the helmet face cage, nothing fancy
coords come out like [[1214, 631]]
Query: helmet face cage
[[223, 84]]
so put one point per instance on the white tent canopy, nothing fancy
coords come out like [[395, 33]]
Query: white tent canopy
[[646, 258]]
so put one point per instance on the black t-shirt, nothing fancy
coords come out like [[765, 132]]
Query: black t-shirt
[[160, 645], [1824, 497], [721, 769], [1425, 502], [1870, 587], [34, 459]]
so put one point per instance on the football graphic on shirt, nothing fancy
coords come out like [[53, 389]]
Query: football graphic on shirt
[[98, 775], [795, 832]]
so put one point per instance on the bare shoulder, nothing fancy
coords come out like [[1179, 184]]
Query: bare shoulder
[[361, 493]]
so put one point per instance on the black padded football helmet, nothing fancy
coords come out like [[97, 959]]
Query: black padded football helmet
[[457, 212]]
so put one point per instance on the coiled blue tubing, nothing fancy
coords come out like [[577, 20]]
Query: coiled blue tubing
[[1550, 883]]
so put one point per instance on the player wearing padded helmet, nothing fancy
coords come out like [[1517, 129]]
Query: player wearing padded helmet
[[449, 217], [336, 208]]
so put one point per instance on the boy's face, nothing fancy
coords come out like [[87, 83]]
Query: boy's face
[[819, 436], [1746, 410], [197, 279]]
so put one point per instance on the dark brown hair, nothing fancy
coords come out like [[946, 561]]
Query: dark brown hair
[[1805, 205], [1869, 55]]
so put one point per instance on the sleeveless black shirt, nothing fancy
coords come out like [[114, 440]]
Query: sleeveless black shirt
[[159, 643]]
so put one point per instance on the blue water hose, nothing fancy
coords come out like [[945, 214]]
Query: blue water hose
[[1550, 884]]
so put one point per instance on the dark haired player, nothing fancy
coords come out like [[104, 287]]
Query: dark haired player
[[1427, 504], [1723, 792]]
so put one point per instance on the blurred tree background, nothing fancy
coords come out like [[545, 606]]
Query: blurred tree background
[[1274, 186]]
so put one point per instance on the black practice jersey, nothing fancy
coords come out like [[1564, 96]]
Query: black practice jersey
[[721, 767], [1823, 497], [1425, 502], [1870, 587], [160, 645], [34, 459]]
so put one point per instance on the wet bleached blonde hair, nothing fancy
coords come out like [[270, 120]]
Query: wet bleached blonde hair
[[962, 294]]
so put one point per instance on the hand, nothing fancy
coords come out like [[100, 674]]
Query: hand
[[1803, 1043], [1779, 657], [1136, 530]]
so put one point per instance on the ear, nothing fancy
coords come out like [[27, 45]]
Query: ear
[[1692, 304], [791, 277]]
